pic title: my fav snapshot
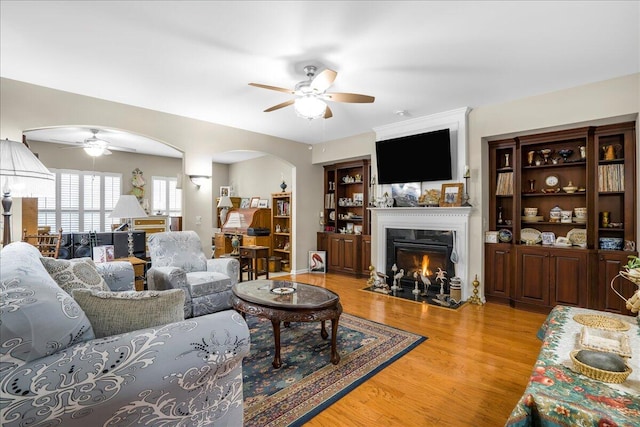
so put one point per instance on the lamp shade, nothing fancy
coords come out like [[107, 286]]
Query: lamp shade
[[127, 207], [225, 202], [22, 173]]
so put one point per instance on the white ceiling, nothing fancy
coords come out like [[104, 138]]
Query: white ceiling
[[196, 58]]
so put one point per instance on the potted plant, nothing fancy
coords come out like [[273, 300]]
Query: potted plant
[[631, 272]]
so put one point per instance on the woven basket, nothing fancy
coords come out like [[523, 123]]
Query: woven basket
[[599, 374], [629, 277]]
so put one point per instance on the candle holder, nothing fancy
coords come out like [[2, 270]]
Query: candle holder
[[475, 299], [465, 196]]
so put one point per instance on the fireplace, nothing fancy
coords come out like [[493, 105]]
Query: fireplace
[[419, 251], [405, 235]]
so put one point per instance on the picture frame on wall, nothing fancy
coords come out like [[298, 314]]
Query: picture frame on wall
[[317, 261], [225, 191], [263, 203], [254, 202], [245, 203], [451, 195]]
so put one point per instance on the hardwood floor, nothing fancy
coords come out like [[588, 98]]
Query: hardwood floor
[[470, 372]]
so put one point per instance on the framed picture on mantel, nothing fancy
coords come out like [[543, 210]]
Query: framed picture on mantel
[[451, 195]]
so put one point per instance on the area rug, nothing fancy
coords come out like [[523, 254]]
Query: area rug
[[431, 297], [307, 383]]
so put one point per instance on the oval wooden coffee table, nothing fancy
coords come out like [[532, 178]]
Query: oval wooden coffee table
[[285, 301]]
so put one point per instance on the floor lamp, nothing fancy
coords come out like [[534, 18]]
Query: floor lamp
[[21, 175], [128, 207]]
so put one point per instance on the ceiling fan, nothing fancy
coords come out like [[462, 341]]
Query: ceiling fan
[[96, 147], [311, 94]]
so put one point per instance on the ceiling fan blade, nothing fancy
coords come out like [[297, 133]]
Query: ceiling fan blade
[[322, 81], [327, 113], [349, 97], [279, 89], [106, 152], [279, 106]]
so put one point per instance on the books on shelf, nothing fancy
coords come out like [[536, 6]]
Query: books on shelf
[[504, 186], [283, 208], [611, 177], [329, 201]]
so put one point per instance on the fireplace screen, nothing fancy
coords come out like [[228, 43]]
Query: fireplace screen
[[424, 259], [419, 251]]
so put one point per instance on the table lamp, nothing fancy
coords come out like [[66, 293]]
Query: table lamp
[[22, 175], [224, 204], [128, 207]]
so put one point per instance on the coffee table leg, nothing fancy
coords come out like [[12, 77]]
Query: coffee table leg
[[335, 357], [276, 338], [323, 331]]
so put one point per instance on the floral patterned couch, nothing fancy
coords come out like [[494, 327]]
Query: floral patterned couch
[[53, 371]]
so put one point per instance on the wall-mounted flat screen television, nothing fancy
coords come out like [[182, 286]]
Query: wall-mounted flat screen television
[[415, 158]]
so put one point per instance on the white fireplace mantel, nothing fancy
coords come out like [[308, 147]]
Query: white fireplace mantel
[[423, 218]]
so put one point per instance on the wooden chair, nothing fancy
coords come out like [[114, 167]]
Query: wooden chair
[[48, 244]]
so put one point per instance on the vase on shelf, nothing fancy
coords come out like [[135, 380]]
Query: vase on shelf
[[283, 186]]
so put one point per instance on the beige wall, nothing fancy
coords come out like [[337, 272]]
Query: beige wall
[[24, 106]]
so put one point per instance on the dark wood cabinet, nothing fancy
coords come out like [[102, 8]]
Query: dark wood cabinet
[[609, 265], [532, 276], [344, 252], [499, 280], [592, 167], [365, 262]]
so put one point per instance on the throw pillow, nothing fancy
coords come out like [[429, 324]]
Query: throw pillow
[[37, 318], [76, 273], [112, 313]]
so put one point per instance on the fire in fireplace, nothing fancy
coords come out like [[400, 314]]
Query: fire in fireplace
[[420, 251]]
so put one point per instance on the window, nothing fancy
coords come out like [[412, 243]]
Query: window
[[167, 199], [83, 201]]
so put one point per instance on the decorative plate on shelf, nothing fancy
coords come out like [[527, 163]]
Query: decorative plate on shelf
[[577, 236], [530, 235], [505, 235], [332, 215]]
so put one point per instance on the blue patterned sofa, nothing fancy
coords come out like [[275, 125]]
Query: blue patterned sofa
[[53, 371], [178, 262]]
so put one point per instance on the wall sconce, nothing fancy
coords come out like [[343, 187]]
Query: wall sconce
[[198, 180]]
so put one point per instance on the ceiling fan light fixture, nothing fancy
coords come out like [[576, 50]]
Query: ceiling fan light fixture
[[94, 150], [310, 107]]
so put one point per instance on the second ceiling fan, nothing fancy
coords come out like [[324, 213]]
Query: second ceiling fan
[[312, 94]]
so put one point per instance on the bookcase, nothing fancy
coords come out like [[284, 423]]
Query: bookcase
[[282, 214], [555, 256], [346, 217]]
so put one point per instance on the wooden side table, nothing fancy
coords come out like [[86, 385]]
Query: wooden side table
[[255, 254], [138, 270]]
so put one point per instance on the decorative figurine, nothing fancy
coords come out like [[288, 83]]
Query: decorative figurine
[[441, 277], [396, 279], [378, 281], [415, 290], [426, 282]]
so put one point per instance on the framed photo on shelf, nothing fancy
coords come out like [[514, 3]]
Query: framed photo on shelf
[[225, 191], [358, 198], [451, 195], [317, 262], [263, 203], [254, 202], [245, 203], [406, 195]]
